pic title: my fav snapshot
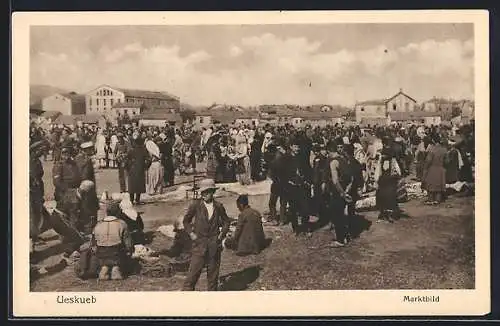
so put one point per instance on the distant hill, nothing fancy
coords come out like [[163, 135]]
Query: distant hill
[[38, 92]]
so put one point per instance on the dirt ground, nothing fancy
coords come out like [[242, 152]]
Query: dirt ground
[[431, 249]]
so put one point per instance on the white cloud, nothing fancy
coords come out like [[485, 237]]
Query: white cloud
[[280, 71], [235, 51]]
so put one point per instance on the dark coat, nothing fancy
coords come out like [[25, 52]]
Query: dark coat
[[434, 169], [138, 161], [196, 220], [249, 236], [36, 180], [85, 166], [452, 171], [66, 175]]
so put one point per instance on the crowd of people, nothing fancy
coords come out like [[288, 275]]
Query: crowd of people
[[317, 173]]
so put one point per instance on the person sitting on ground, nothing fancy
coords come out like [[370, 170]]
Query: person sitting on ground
[[114, 244], [249, 235], [181, 248], [134, 221]]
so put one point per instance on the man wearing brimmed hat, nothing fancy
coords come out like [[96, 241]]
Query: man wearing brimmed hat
[[65, 173], [207, 223]]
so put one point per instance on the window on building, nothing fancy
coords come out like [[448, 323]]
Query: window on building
[[125, 111], [362, 109], [97, 101], [105, 102], [394, 107], [111, 102]]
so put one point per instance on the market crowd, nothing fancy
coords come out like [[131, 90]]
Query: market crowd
[[317, 173]]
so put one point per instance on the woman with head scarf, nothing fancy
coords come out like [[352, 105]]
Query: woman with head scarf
[[154, 183]]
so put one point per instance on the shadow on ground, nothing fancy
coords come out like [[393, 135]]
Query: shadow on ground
[[240, 280]]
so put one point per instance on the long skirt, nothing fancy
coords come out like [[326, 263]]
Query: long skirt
[[154, 184], [387, 193]]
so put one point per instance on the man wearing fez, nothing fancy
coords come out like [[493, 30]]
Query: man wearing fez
[[207, 223], [65, 174]]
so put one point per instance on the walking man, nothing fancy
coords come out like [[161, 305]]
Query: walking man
[[207, 223]]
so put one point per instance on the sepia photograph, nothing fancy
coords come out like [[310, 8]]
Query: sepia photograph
[[284, 156]]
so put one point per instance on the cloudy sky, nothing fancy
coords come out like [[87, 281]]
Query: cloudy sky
[[255, 64]]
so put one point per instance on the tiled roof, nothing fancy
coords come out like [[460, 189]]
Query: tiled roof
[[372, 102], [401, 93], [143, 93], [148, 94]]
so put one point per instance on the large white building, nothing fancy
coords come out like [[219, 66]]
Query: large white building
[[66, 103], [104, 99], [379, 109]]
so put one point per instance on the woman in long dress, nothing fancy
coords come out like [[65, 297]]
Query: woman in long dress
[[100, 148], [154, 176], [154, 183]]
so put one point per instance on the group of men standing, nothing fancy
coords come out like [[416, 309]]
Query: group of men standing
[[74, 188], [323, 189]]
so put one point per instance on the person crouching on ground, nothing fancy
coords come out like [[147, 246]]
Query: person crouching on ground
[[79, 205], [207, 223], [114, 244], [249, 235]]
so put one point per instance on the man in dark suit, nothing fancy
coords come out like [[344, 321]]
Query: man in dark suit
[[207, 223]]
